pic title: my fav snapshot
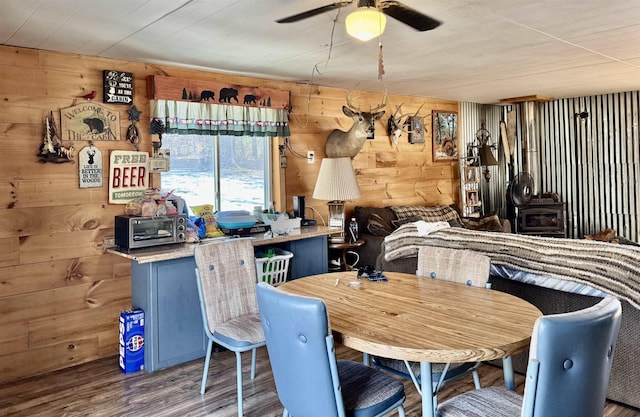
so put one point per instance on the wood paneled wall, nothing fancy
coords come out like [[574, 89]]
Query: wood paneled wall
[[60, 295], [387, 175]]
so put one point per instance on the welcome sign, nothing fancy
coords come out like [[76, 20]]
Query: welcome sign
[[89, 121], [128, 175]]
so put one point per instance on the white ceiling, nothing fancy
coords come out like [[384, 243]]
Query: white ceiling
[[484, 51]]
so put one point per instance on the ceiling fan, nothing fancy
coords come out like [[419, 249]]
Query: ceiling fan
[[369, 10]]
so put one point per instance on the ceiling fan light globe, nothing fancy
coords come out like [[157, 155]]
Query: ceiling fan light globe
[[365, 23]]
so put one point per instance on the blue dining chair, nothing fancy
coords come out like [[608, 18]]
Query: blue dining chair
[[568, 373], [226, 277], [461, 266], [309, 379]]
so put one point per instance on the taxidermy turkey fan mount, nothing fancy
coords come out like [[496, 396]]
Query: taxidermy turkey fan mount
[[395, 9]]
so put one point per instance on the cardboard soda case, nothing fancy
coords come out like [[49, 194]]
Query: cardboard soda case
[[131, 341]]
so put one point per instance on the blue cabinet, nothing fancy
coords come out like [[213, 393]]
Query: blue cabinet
[[310, 256], [167, 292]]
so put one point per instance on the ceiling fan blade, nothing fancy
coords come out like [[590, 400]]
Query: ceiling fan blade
[[409, 16], [314, 12]]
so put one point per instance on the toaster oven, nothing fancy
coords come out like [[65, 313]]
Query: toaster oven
[[134, 232]]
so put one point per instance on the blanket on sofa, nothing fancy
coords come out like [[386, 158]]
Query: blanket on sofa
[[612, 268]]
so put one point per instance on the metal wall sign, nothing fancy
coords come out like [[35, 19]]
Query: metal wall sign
[[128, 175], [90, 165], [117, 87]]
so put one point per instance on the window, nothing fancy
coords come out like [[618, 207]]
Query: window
[[230, 172]]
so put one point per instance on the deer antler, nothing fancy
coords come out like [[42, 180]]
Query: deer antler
[[383, 104], [405, 116], [373, 109], [418, 111], [350, 104], [397, 111], [397, 120], [396, 125]]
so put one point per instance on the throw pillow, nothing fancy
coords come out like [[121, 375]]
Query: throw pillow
[[428, 214], [488, 223], [362, 214], [378, 226]]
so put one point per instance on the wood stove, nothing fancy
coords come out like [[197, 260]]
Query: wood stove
[[543, 216]]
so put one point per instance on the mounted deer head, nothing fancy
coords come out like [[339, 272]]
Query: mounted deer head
[[347, 144]]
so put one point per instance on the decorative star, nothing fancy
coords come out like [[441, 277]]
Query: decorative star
[[134, 113]]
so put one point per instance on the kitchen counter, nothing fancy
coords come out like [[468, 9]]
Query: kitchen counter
[[164, 286], [184, 250]]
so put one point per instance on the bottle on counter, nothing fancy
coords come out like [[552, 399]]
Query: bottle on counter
[[257, 211], [353, 230]]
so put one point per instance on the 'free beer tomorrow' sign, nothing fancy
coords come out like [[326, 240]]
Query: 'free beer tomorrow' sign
[[128, 175]]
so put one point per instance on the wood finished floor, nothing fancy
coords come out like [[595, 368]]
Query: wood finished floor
[[100, 389]]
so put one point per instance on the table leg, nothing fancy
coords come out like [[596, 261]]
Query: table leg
[[428, 399], [507, 368]]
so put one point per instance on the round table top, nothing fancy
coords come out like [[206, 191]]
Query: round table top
[[421, 319]]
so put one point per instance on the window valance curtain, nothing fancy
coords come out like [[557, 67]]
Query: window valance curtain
[[192, 118]]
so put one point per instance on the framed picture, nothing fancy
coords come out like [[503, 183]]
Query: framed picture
[[472, 198], [445, 135], [470, 175], [416, 129]]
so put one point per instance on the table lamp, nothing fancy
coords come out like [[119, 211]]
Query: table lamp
[[336, 182]]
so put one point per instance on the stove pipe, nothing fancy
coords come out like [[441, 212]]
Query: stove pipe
[[530, 138]]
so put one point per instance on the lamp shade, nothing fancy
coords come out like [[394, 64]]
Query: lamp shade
[[486, 156], [336, 180], [365, 23]]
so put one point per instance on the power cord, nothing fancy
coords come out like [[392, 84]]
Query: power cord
[[287, 143], [318, 214], [316, 70]]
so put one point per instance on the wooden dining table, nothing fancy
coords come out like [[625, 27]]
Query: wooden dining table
[[422, 319]]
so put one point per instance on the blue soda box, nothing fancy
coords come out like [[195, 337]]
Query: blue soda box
[[131, 341]]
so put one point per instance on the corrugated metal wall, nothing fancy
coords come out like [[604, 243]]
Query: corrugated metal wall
[[472, 115], [591, 157], [589, 150]]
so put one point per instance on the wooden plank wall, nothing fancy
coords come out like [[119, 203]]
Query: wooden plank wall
[[386, 175], [60, 295]]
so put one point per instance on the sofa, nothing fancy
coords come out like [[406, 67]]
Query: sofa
[[554, 274], [375, 223]]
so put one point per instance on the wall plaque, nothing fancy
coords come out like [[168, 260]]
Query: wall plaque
[[89, 121], [128, 175], [160, 163], [90, 165], [118, 87], [416, 129]]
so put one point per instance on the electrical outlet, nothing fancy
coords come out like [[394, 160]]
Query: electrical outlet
[[311, 157], [108, 242]]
